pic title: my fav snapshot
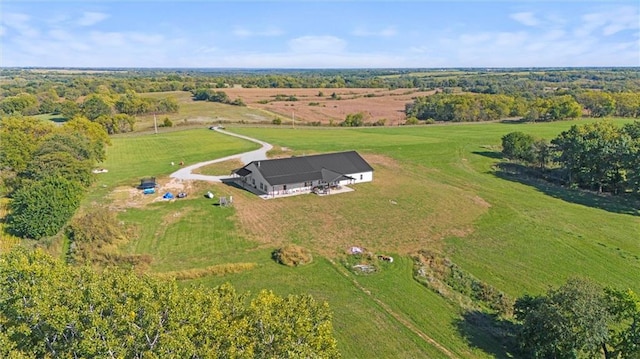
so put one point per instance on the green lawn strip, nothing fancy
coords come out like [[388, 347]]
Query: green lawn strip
[[363, 329], [185, 234]]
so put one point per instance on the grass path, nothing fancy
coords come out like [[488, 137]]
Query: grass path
[[397, 316]]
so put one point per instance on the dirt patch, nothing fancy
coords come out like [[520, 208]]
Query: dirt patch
[[480, 201], [131, 197]]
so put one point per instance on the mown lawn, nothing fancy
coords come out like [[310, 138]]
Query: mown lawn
[[518, 237], [530, 236], [133, 156]]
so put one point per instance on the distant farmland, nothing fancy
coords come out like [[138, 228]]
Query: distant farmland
[[310, 105]]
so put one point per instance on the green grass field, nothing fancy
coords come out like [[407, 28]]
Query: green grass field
[[516, 236], [201, 112]]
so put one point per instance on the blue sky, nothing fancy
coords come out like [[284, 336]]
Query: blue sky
[[319, 34]]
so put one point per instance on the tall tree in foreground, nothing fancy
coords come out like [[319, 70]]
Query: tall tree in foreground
[[580, 319], [569, 320], [49, 309]]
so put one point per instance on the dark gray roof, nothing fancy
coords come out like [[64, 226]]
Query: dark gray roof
[[328, 167], [242, 172]]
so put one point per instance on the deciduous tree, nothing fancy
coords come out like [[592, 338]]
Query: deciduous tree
[[566, 321], [40, 208], [49, 309]]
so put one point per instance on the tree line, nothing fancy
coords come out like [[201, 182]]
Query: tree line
[[467, 107], [525, 82], [50, 309], [215, 96], [597, 156], [116, 113]]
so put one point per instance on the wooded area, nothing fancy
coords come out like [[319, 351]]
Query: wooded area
[[598, 156]]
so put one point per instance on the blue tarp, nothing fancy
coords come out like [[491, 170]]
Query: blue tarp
[[168, 195], [149, 191]]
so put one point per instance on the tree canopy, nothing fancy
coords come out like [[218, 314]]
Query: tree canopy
[[578, 319], [49, 309]]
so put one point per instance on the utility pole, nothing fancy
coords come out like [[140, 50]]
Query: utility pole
[[293, 119], [155, 123]]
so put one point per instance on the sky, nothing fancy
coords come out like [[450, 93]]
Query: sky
[[319, 34]]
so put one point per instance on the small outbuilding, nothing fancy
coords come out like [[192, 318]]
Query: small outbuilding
[[148, 182]]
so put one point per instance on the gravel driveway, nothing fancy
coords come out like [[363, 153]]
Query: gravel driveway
[[256, 155]]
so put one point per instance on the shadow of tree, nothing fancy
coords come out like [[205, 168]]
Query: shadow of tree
[[489, 333], [623, 204], [490, 154]]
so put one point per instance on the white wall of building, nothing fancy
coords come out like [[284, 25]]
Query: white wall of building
[[256, 180], [361, 177]]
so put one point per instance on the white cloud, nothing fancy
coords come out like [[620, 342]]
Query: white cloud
[[19, 23], [268, 32], [525, 18], [288, 60], [609, 21], [510, 39], [206, 50], [91, 18], [422, 49], [474, 39], [108, 39], [317, 44], [61, 35], [385, 32]]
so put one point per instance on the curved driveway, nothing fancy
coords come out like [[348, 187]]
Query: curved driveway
[[256, 155]]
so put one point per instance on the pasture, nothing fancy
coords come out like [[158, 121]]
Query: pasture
[[434, 187]]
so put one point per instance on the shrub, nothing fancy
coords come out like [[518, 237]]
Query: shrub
[[411, 121], [167, 122], [353, 120], [277, 121], [238, 102], [292, 255], [380, 122]]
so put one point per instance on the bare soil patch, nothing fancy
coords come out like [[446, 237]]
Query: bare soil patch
[[320, 105], [131, 197]]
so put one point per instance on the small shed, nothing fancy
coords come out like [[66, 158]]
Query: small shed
[[148, 182]]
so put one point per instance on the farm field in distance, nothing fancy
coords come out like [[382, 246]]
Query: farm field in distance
[[309, 105], [266, 104], [519, 237]]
